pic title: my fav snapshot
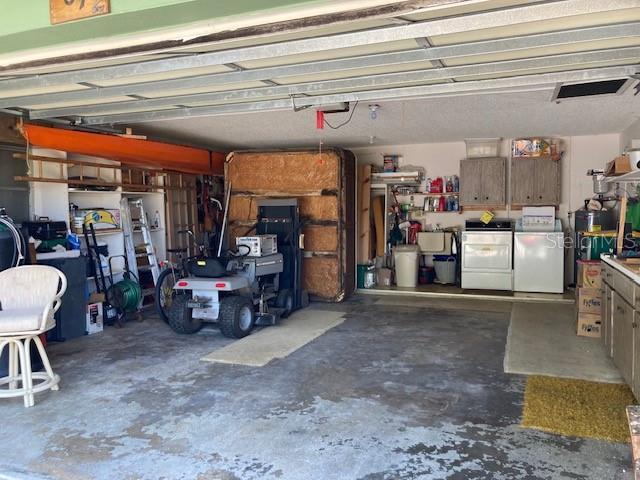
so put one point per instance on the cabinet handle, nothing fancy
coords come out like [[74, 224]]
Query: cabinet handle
[[475, 198], [634, 324], [528, 197], [486, 198], [540, 197]]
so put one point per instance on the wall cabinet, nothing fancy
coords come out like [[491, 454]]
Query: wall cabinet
[[535, 181], [483, 181]]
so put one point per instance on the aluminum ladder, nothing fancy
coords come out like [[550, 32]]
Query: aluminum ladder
[[134, 224]]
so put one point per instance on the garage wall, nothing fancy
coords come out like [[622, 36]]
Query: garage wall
[[443, 159], [14, 196], [630, 137]]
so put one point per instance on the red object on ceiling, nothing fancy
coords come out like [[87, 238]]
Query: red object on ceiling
[[129, 151]]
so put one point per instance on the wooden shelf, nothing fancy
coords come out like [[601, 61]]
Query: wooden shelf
[[557, 157], [443, 211], [102, 233], [129, 193], [431, 195], [75, 190]]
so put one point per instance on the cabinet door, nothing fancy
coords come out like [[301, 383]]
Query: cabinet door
[[635, 386], [623, 337], [522, 181], [606, 318], [493, 181], [547, 182], [470, 181]]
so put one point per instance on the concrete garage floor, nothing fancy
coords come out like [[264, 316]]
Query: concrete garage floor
[[403, 389]]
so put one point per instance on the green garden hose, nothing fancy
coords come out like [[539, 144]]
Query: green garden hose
[[125, 295]]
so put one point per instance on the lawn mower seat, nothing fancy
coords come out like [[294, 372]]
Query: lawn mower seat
[[206, 267]]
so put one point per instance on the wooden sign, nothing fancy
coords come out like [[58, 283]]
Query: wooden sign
[[66, 10]]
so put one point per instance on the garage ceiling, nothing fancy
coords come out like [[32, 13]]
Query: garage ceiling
[[440, 119], [482, 46]]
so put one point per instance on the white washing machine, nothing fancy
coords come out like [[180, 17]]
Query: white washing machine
[[538, 262]]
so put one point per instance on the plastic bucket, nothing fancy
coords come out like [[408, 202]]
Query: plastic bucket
[[426, 276], [445, 267], [406, 258], [361, 272]]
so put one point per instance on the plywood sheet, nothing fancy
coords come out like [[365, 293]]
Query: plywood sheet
[[290, 172], [322, 277], [324, 185], [364, 213], [378, 218]]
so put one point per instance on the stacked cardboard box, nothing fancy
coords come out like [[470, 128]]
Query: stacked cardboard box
[[589, 298]]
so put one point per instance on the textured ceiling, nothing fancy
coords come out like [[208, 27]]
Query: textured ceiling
[[405, 122]]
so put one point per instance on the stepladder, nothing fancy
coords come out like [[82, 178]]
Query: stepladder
[[139, 247]]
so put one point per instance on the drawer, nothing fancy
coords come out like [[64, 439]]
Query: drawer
[[624, 286], [607, 274]]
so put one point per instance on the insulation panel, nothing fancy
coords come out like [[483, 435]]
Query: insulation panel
[[324, 184]]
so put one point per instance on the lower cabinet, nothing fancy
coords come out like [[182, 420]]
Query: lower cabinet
[[635, 385], [607, 318], [622, 336]]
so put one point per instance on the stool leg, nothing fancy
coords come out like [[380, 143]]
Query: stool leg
[[26, 374], [4, 343], [45, 360], [13, 364], [28, 371]]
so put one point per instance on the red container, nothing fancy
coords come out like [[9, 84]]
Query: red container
[[436, 185]]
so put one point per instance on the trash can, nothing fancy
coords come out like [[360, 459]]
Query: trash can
[[406, 258], [445, 266]]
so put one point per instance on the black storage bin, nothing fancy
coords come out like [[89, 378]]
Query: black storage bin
[[71, 317]]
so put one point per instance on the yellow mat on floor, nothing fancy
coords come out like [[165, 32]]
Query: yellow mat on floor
[[279, 341], [577, 408]]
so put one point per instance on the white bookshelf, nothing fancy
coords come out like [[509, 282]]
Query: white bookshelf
[[52, 200]]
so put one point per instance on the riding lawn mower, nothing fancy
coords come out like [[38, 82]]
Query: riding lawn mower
[[255, 285]]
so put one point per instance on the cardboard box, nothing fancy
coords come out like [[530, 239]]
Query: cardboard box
[[589, 300], [530, 147], [589, 274], [95, 318], [383, 277], [618, 166], [589, 325]]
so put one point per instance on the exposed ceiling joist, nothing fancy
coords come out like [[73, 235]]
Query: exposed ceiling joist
[[491, 19], [336, 65], [378, 95], [568, 61]]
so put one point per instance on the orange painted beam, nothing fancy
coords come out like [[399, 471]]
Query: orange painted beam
[[129, 151]]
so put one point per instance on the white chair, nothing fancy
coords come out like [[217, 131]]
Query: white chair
[[29, 296]]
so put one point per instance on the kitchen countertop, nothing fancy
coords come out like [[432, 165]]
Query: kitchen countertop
[[631, 270]]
